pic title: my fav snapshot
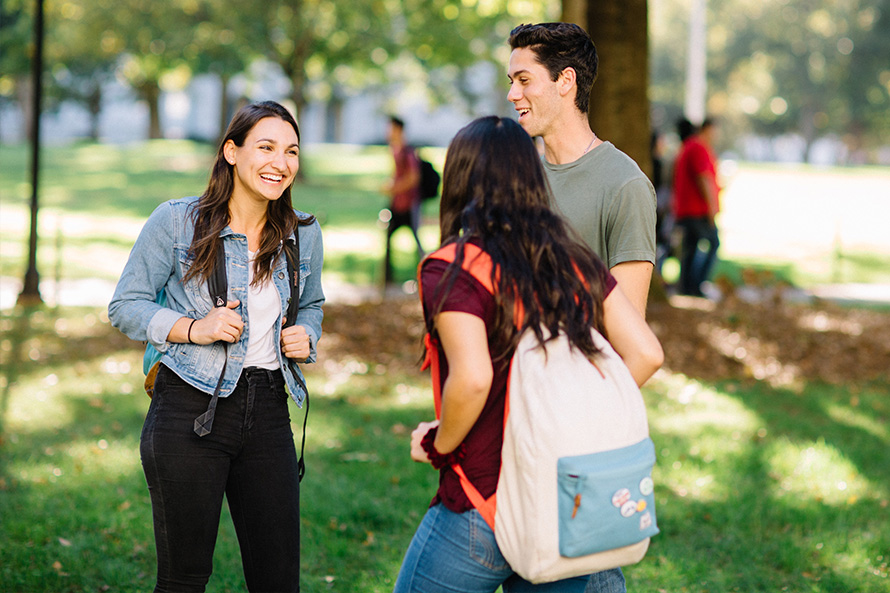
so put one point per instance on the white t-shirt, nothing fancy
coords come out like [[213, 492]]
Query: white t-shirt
[[263, 310]]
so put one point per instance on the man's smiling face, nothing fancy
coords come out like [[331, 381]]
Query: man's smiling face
[[534, 94]]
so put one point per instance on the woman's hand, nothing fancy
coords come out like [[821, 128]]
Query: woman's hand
[[222, 324], [295, 343], [417, 452]]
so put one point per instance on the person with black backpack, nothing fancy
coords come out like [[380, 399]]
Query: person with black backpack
[[227, 288], [406, 191]]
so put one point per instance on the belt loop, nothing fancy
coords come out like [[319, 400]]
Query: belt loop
[[256, 372]]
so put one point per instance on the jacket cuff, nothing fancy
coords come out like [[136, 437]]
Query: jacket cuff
[[159, 328], [313, 340]]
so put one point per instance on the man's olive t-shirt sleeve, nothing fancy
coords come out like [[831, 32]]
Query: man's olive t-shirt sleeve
[[630, 231], [609, 201]]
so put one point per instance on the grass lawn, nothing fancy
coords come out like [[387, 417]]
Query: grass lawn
[[74, 509], [760, 487]]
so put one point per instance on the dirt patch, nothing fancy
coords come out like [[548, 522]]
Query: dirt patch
[[781, 343]]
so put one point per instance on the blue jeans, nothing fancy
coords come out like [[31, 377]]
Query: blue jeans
[[457, 552], [249, 457], [696, 265]]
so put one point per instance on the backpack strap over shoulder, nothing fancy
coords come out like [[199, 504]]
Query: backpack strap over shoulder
[[478, 264], [292, 255], [218, 286]]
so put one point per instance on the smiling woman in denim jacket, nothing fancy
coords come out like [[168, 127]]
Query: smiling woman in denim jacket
[[249, 454]]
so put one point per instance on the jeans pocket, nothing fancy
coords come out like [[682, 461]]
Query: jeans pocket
[[483, 547]]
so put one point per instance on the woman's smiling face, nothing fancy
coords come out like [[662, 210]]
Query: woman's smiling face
[[267, 163]]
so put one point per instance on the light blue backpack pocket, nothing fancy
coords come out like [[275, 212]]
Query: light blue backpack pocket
[[606, 499]]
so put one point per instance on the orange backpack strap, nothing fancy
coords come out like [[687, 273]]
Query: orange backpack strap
[[478, 264]]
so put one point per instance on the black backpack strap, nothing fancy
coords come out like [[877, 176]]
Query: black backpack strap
[[218, 285], [292, 255]]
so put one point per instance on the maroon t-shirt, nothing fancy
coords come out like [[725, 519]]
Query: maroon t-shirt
[[483, 443]]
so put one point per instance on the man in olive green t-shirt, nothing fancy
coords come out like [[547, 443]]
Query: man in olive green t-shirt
[[600, 190]]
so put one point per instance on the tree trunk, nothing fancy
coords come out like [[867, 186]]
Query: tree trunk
[[24, 91], [575, 11], [333, 128], [151, 94], [94, 104], [619, 101]]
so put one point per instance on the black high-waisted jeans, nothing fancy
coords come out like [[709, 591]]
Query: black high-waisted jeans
[[249, 456]]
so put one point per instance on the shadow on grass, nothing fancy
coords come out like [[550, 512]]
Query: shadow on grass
[[780, 495], [49, 345], [12, 363], [362, 497], [75, 512]]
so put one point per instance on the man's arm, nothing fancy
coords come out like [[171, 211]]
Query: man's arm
[[707, 187], [633, 277]]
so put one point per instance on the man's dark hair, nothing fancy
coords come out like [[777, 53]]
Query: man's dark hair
[[396, 121], [558, 46], [685, 129]]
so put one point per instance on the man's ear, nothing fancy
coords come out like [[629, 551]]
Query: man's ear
[[567, 80]]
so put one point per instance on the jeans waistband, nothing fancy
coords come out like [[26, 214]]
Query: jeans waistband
[[259, 374]]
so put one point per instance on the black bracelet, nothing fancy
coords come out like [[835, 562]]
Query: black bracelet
[[190, 331], [437, 459]]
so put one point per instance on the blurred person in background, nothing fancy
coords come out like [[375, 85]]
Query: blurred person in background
[[404, 192], [695, 206]]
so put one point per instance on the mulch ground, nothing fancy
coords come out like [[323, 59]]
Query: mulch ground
[[778, 342]]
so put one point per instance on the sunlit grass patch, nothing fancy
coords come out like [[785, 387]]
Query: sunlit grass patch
[[818, 472], [761, 489]]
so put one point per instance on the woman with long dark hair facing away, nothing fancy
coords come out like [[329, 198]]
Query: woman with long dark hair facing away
[[218, 424], [495, 198]]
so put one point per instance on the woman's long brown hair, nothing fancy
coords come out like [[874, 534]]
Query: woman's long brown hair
[[211, 212], [495, 191]]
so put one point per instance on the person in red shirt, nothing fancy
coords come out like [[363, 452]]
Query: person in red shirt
[[404, 191], [495, 196], [695, 205]]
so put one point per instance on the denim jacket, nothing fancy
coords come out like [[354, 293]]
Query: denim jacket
[[160, 258]]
